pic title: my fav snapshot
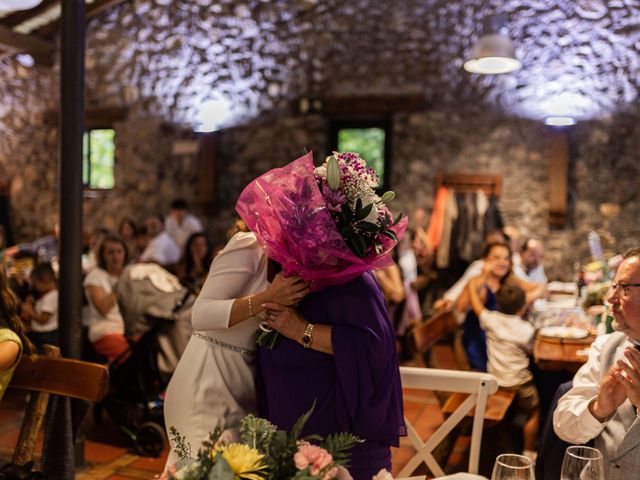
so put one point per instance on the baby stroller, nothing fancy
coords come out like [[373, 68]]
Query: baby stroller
[[157, 314]]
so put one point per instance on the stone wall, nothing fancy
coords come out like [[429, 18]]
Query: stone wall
[[163, 58]]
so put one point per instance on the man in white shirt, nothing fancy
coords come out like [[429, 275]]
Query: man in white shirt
[[161, 249], [528, 262], [602, 405], [180, 224]]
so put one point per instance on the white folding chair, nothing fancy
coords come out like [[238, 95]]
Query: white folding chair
[[478, 385]]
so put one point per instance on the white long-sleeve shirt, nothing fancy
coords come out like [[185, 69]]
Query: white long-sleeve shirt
[[572, 420]]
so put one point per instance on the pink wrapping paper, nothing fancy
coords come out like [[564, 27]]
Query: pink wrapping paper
[[286, 211]]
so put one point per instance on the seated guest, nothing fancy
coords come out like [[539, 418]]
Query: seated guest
[[90, 261], [602, 405], [497, 272], [193, 268], [105, 322], [162, 249], [44, 314], [509, 343], [528, 262], [45, 248], [127, 231], [13, 341], [475, 268], [181, 224]]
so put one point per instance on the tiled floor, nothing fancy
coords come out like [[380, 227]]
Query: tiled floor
[[108, 456]]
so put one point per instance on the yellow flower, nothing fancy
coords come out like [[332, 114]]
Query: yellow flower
[[245, 462]]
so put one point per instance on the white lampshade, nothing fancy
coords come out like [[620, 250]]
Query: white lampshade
[[493, 54]]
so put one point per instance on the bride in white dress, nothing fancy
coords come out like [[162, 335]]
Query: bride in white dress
[[213, 383]]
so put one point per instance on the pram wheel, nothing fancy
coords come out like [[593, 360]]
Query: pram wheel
[[150, 439]]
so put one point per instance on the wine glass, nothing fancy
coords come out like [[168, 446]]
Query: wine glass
[[582, 463], [510, 466]]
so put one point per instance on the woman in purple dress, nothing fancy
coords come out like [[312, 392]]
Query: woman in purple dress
[[340, 353], [337, 348]]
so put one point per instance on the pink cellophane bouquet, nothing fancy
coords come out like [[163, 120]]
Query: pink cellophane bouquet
[[325, 224]]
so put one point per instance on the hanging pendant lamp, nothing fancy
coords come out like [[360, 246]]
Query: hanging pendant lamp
[[494, 52]]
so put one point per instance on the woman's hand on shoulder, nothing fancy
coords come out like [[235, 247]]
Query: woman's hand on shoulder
[[287, 290]]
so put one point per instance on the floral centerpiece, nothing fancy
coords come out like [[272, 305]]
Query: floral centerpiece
[[263, 452], [325, 224]]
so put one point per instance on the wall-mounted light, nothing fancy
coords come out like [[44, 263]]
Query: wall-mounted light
[[494, 52], [560, 121], [213, 115]]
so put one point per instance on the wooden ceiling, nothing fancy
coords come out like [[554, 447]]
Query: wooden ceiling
[[34, 31]]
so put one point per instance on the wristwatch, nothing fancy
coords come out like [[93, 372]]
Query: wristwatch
[[307, 338]]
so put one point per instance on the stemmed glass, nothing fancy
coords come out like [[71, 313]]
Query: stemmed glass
[[582, 463], [510, 466]]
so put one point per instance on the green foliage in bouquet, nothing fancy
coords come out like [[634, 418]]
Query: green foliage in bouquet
[[264, 452], [360, 235]]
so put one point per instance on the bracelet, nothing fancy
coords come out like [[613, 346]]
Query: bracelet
[[250, 308]]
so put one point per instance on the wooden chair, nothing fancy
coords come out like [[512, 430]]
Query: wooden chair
[[478, 386], [51, 374], [425, 336]]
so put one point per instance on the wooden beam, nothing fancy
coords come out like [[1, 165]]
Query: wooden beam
[[39, 49], [19, 17], [558, 177], [358, 106], [93, 9], [94, 117]]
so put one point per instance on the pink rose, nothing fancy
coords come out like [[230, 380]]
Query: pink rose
[[312, 455]]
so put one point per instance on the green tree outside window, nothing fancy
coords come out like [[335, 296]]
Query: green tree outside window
[[98, 158], [368, 143]]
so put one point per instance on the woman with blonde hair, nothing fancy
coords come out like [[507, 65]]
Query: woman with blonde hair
[[13, 341]]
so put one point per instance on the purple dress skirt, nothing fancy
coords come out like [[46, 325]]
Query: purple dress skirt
[[357, 389]]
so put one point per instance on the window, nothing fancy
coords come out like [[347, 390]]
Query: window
[[98, 154], [370, 139]]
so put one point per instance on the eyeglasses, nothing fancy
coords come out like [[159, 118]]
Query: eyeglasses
[[616, 287]]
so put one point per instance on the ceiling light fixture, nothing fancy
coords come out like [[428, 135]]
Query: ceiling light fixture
[[10, 5], [494, 52], [559, 121]]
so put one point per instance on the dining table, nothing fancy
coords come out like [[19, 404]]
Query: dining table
[[561, 354]]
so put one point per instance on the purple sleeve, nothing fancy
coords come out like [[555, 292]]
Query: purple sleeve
[[367, 365]]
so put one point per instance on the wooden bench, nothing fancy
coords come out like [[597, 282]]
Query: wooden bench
[[51, 374]]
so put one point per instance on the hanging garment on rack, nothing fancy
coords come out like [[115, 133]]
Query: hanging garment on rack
[[493, 217], [482, 204], [450, 217], [468, 237], [436, 221]]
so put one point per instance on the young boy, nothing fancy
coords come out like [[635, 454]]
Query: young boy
[[509, 342], [44, 315]]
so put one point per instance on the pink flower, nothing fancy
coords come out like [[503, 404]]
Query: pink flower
[[316, 457]]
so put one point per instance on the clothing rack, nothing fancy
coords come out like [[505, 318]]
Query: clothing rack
[[490, 184]]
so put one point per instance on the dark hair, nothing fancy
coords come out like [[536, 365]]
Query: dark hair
[[632, 252], [187, 259], [115, 239], [179, 204], [43, 272], [9, 308], [490, 246], [510, 298], [141, 231], [127, 221]]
